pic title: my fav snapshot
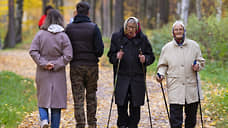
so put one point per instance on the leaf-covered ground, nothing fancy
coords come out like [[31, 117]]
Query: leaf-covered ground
[[19, 61]]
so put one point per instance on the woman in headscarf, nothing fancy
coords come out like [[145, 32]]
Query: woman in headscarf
[[127, 46], [176, 62]]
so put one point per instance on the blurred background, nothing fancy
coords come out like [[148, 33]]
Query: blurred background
[[206, 22]]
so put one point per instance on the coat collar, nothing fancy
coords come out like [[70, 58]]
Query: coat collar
[[135, 40], [184, 43], [81, 18]]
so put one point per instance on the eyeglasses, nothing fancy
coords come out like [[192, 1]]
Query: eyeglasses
[[131, 27], [176, 29]]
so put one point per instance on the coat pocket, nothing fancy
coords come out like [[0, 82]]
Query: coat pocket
[[171, 81], [191, 80]]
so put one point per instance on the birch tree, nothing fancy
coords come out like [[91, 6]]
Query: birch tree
[[198, 9], [184, 10], [219, 9]]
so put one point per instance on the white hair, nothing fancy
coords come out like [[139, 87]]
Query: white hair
[[178, 22]]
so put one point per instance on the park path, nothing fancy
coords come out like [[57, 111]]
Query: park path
[[20, 62]]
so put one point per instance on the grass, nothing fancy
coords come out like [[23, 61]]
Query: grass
[[17, 96], [215, 88]]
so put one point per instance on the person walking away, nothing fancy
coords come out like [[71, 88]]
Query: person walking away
[[42, 19], [87, 46], [51, 50], [176, 63], [126, 46]]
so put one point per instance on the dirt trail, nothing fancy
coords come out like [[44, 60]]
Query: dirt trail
[[20, 62]]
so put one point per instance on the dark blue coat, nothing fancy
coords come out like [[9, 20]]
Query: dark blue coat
[[130, 72]]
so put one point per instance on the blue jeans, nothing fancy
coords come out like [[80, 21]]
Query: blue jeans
[[55, 116]]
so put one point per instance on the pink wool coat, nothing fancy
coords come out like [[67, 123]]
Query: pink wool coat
[[48, 47]]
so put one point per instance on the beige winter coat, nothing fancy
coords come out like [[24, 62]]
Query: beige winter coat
[[176, 64], [51, 47]]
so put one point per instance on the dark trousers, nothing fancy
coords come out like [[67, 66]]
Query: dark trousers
[[126, 120], [176, 115]]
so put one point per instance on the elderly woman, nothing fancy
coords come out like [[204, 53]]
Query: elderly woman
[[176, 63], [130, 87], [51, 50]]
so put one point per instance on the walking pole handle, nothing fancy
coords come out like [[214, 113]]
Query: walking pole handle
[[195, 61], [140, 51], [159, 75]]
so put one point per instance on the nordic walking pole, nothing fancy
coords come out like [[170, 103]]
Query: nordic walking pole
[[166, 106], [115, 81], [197, 82], [147, 97]]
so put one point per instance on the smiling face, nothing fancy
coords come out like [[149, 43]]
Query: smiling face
[[178, 31], [131, 29]]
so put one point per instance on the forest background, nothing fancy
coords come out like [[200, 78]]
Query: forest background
[[206, 21]]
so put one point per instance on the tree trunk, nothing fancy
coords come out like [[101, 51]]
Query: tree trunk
[[0, 43], [19, 16], [106, 14], [92, 11], [178, 11], [142, 12], [10, 41], [111, 16], [102, 16], [59, 5], [184, 11], [219, 10], [198, 9], [164, 11], [151, 13], [118, 15], [45, 2]]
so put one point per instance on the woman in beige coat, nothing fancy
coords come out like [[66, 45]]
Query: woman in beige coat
[[176, 63], [51, 50]]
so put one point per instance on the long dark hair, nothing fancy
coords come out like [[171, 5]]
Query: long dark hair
[[53, 17]]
